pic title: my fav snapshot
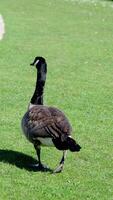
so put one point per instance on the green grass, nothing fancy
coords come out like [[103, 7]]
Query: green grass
[[76, 38]]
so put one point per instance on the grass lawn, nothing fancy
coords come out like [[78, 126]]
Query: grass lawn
[[76, 38]]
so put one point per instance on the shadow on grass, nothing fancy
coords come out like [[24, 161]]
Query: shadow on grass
[[20, 160]]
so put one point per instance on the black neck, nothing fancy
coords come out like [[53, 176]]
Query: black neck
[[37, 98]]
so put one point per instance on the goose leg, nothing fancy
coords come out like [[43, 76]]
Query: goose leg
[[39, 165], [38, 151], [61, 165]]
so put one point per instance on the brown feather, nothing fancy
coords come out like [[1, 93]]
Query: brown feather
[[43, 121]]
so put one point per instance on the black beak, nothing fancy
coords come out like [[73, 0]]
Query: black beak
[[32, 64]]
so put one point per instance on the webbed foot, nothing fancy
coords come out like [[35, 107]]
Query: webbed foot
[[59, 169], [40, 167]]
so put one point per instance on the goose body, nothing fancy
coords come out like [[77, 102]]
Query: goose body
[[47, 126]]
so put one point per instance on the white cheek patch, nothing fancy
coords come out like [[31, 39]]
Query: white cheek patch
[[69, 136], [2, 27], [36, 62]]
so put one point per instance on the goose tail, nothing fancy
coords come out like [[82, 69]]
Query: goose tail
[[72, 145]]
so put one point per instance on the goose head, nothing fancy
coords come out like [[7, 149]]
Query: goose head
[[38, 61], [40, 64]]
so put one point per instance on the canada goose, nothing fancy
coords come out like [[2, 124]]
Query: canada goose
[[47, 126]]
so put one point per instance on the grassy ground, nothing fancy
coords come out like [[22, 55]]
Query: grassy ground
[[76, 37]]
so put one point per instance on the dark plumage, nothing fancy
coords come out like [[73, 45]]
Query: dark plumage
[[44, 125]]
